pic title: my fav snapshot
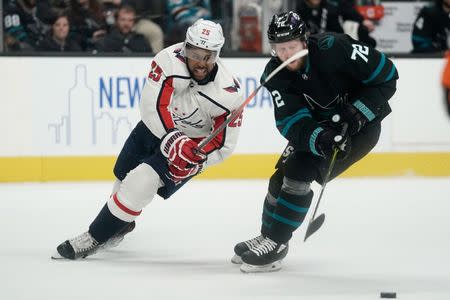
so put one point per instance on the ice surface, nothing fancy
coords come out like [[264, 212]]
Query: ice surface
[[390, 234]]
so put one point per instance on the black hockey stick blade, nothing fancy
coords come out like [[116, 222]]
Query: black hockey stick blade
[[314, 225]]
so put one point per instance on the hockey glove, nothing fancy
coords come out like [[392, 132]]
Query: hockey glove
[[180, 151], [177, 174], [354, 118], [330, 138]]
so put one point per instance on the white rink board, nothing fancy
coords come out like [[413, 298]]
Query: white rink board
[[35, 118]]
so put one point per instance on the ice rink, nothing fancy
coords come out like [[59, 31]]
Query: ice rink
[[390, 234]]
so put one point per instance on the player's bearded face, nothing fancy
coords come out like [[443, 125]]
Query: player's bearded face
[[287, 49], [200, 61]]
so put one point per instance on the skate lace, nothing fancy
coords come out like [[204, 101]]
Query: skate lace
[[254, 242], [266, 246], [83, 243]]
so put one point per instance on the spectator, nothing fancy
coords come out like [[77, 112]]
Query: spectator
[[87, 21], [325, 16], [182, 14], [59, 39], [145, 10], [431, 28], [150, 30], [121, 37], [25, 23]]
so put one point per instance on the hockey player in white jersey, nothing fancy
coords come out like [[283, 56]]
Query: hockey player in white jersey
[[188, 94]]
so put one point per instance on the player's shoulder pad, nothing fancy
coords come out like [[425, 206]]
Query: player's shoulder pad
[[172, 61], [228, 85], [270, 66], [325, 42], [327, 49], [430, 10], [274, 63]]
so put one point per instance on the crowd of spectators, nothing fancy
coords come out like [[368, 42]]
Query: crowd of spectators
[[96, 25], [149, 26]]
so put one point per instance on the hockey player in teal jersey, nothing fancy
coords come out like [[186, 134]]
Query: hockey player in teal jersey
[[340, 76]]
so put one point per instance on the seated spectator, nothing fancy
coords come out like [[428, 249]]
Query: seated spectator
[[146, 26], [322, 15], [25, 23], [58, 39], [145, 10], [87, 21], [431, 28], [121, 38], [182, 14]]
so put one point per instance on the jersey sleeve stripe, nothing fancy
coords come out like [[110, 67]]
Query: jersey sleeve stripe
[[285, 124], [312, 140], [218, 141], [421, 42], [364, 110], [377, 70], [163, 102], [391, 73]]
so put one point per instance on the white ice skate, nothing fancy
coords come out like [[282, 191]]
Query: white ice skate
[[79, 247]]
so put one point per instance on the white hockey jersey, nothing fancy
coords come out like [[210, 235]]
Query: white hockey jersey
[[172, 99]]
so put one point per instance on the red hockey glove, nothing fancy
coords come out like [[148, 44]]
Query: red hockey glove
[[181, 151], [178, 175], [354, 118]]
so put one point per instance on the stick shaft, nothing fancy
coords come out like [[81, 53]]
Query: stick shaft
[[239, 110]]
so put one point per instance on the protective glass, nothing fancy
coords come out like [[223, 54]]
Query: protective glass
[[199, 54]]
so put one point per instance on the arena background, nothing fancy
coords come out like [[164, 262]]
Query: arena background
[[66, 118]]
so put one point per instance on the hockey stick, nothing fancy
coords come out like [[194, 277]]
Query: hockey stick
[[315, 223], [239, 110]]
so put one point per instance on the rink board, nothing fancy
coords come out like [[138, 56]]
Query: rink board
[[71, 117], [242, 166]]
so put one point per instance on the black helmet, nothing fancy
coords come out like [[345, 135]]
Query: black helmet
[[285, 27]]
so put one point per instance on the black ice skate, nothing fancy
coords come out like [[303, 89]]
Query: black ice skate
[[241, 247], [264, 258], [78, 247], [116, 239]]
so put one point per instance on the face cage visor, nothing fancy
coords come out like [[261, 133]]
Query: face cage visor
[[200, 54], [291, 47]]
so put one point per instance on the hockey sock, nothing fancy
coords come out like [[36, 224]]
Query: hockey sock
[[290, 211], [106, 225], [268, 209]]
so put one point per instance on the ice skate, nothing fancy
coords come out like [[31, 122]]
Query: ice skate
[[241, 247], [266, 257], [78, 247], [116, 239]]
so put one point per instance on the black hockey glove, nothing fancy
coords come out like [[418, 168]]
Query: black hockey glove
[[354, 118], [330, 138]]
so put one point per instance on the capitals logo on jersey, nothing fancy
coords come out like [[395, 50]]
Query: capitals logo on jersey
[[234, 88], [178, 55]]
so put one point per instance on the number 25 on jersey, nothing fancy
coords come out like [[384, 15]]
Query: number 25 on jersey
[[155, 72]]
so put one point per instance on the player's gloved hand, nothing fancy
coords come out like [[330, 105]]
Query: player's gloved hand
[[330, 138], [181, 151], [177, 174], [354, 118]]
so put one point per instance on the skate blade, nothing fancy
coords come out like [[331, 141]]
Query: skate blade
[[57, 256], [273, 267], [236, 259]]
